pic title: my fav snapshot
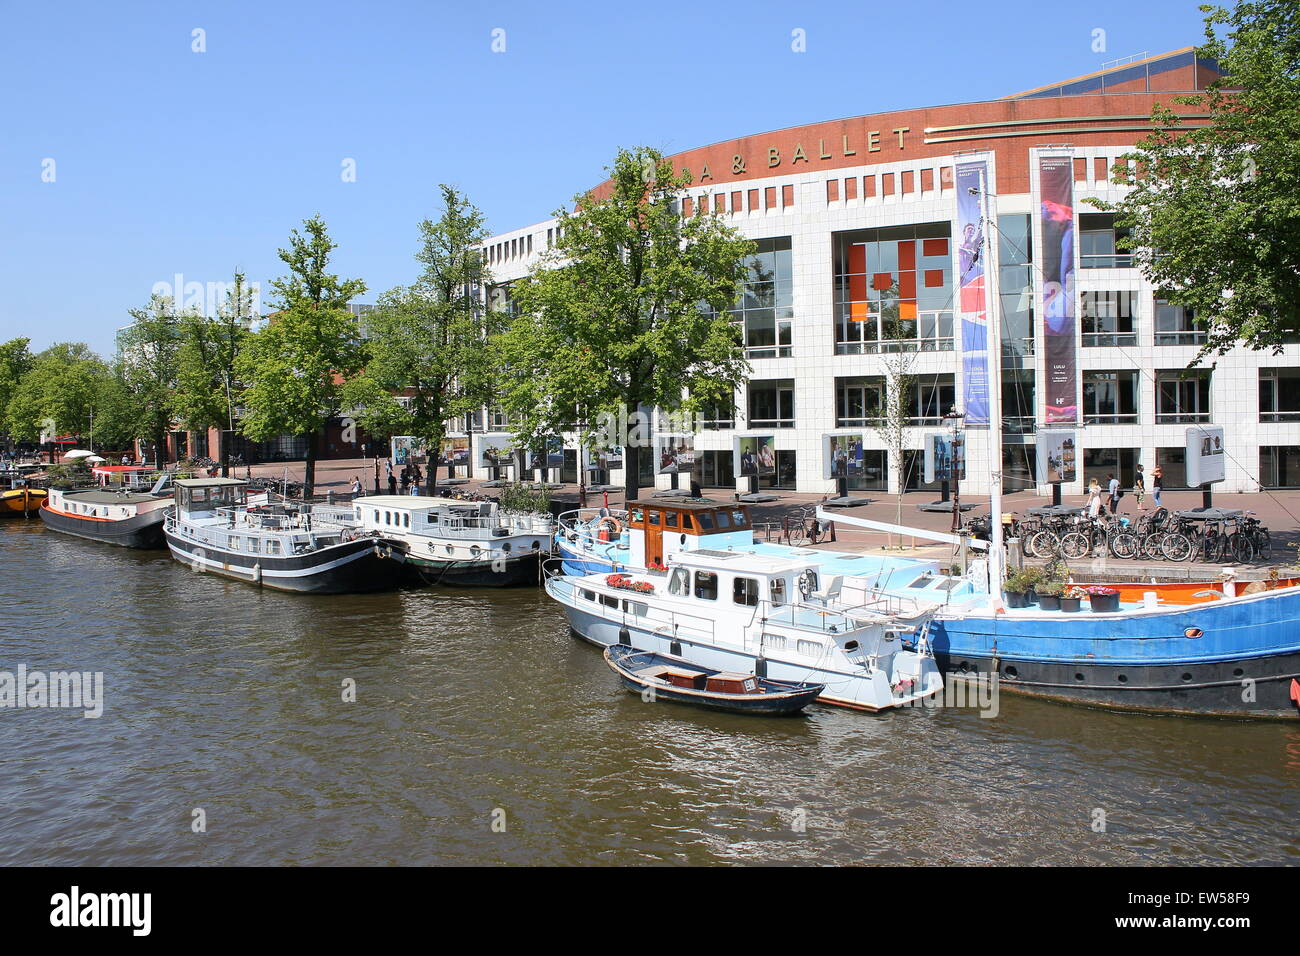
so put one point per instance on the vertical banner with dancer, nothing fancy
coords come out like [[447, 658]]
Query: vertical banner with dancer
[[972, 178], [1056, 253]]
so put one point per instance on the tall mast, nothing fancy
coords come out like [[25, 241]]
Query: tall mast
[[993, 312]]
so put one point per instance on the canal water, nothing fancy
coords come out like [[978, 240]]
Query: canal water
[[483, 733]]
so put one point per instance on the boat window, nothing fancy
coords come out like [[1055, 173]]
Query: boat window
[[724, 521], [609, 600], [680, 583], [776, 591], [234, 543], [637, 516], [809, 648], [745, 591], [272, 546], [588, 595], [635, 608], [406, 520], [654, 517], [376, 516], [388, 517], [921, 582], [738, 517], [670, 519], [774, 641], [705, 518], [253, 546], [706, 585]]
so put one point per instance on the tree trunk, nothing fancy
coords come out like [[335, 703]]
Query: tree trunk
[[309, 470], [631, 472]]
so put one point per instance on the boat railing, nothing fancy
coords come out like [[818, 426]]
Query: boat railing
[[579, 525], [631, 608]]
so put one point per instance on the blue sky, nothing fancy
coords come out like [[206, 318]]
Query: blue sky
[[170, 161]]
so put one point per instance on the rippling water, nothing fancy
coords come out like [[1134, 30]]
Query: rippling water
[[478, 706]]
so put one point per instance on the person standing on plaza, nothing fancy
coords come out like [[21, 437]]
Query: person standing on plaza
[[1140, 488], [1112, 489], [392, 480], [1157, 484], [356, 487]]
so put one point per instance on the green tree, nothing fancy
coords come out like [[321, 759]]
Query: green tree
[[60, 393], [293, 368], [207, 363], [628, 310], [1214, 212], [430, 340], [15, 362], [148, 366]]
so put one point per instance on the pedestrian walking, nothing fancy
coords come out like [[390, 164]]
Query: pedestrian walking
[[1140, 488], [1157, 485], [356, 487], [1112, 489]]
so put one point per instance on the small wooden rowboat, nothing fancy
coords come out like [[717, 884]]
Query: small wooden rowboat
[[676, 679]]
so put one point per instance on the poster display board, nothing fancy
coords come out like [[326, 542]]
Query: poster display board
[[674, 454], [844, 456], [1057, 462], [1206, 462], [944, 460], [755, 455]]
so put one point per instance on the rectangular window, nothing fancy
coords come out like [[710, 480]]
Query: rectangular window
[[1279, 466], [706, 585], [930, 398], [1176, 325], [771, 403], [893, 289], [1182, 397], [1108, 318], [745, 592], [764, 309], [1110, 398], [859, 401], [716, 415], [1099, 242], [1279, 395], [272, 547]]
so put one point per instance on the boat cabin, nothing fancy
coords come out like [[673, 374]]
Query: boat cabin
[[740, 579], [204, 496], [657, 529]]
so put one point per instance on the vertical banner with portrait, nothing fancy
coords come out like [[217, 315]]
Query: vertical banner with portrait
[[1057, 455], [755, 455], [844, 456], [674, 454], [972, 257], [944, 460], [1206, 462], [1057, 296]]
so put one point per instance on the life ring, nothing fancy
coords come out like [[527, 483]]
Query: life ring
[[608, 529]]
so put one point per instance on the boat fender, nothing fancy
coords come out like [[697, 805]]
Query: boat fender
[[609, 529], [624, 636], [760, 667], [675, 648], [257, 573]]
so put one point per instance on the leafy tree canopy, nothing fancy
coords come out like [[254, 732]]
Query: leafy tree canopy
[[1214, 213], [629, 308]]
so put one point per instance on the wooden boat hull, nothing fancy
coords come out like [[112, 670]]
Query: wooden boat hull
[[21, 502], [788, 701], [141, 531]]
